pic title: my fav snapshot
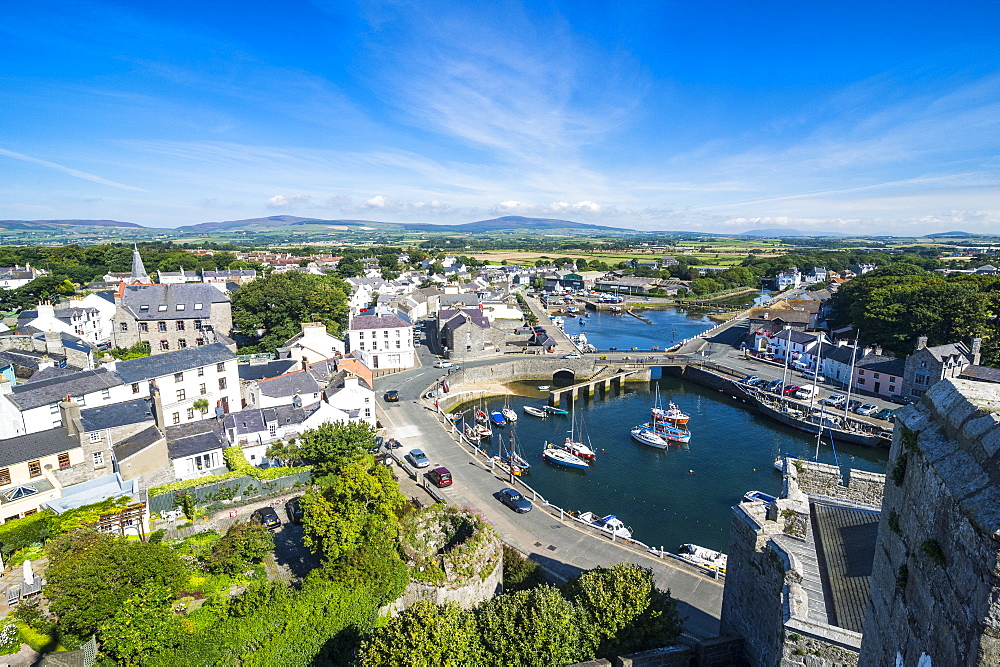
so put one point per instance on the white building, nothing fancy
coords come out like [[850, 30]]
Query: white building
[[787, 279], [382, 341], [349, 394], [88, 318], [13, 277], [313, 344]]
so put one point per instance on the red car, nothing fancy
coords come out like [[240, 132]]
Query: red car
[[791, 389]]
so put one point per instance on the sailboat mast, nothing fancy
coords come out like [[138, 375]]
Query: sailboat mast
[[850, 377], [784, 372], [819, 357]]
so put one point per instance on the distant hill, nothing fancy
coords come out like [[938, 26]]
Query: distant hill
[[784, 233], [230, 225], [950, 234], [49, 224], [510, 223]]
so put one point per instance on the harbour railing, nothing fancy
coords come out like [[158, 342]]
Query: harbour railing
[[566, 516]]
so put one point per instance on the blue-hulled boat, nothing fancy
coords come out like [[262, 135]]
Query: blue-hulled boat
[[498, 418], [554, 411]]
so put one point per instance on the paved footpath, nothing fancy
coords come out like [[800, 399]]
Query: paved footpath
[[561, 547]]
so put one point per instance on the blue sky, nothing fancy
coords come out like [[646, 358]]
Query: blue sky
[[723, 116]]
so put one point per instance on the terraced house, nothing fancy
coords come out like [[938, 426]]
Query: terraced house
[[170, 317]]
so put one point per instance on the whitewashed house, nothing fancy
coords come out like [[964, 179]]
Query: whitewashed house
[[382, 341]]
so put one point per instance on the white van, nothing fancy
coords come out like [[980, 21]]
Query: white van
[[804, 393], [811, 375]]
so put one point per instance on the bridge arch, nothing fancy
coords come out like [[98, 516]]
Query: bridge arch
[[564, 376]]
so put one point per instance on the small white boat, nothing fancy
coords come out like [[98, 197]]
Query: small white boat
[[577, 448], [779, 463], [649, 437], [609, 524], [561, 457], [509, 414], [535, 412], [713, 560], [754, 496], [543, 387], [483, 431]]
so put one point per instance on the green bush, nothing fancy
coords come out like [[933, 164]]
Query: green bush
[[243, 545], [519, 573], [20, 533]]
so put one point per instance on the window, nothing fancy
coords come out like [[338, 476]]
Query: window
[[190, 414], [198, 306], [201, 371], [95, 436], [397, 344], [202, 389], [178, 377], [180, 325], [221, 367], [861, 371], [222, 383], [135, 387], [199, 342], [272, 430], [180, 306], [54, 409], [876, 376], [182, 344], [30, 512], [124, 326], [105, 394], [144, 307], [181, 394], [162, 307], [385, 333], [34, 469], [367, 399], [368, 412], [161, 326], [144, 327], [861, 380], [892, 389], [64, 460], [98, 459], [197, 325], [921, 379], [4, 476], [164, 345], [80, 400], [176, 417]]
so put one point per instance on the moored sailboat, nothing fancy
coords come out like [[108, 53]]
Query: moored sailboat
[[561, 457], [648, 436], [535, 412]]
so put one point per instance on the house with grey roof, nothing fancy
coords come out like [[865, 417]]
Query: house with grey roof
[[27, 463], [170, 317], [928, 365], [468, 334], [255, 429], [382, 341], [296, 386], [12, 277], [312, 343], [195, 449]]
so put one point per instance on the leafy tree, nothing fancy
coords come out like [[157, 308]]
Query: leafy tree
[[91, 574], [625, 611], [328, 447], [436, 268], [271, 309], [358, 507], [144, 623], [533, 627], [425, 634], [377, 567], [349, 267], [244, 545]]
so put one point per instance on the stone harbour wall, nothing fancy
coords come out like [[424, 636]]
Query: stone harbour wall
[[935, 588], [821, 479]]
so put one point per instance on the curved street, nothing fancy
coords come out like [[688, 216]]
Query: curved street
[[562, 548]]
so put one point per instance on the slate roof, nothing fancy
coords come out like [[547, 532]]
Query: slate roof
[[982, 373], [378, 322], [465, 316], [796, 336], [463, 299], [840, 355], [783, 314], [270, 369], [36, 394], [194, 438], [116, 414], [880, 364], [845, 547], [36, 445], [227, 274], [29, 358], [158, 365], [951, 351], [131, 446], [180, 301], [296, 382], [256, 420]]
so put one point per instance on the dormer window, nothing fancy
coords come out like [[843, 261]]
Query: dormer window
[[161, 307], [144, 308], [180, 306], [198, 306]]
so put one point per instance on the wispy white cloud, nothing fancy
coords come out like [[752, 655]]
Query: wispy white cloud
[[281, 201], [76, 173]]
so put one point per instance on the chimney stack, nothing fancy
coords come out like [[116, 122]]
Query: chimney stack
[[158, 415], [977, 344], [69, 412], [921, 343]]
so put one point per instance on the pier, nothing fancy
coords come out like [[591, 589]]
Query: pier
[[587, 388]]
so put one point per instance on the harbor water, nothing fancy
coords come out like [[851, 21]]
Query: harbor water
[[668, 497]]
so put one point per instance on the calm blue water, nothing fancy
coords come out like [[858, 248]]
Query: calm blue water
[[732, 449], [605, 330]]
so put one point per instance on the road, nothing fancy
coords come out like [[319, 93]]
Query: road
[[562, 548]]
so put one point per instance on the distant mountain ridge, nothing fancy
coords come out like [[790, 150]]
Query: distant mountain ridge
[[46, 224], [951, 234], [786, 232]]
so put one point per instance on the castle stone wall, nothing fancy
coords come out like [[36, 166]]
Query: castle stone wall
[[936, 581]]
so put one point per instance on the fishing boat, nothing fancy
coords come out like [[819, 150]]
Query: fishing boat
[[535, 412], [483, 431], [672, 415], [669, 432], [560, 456], [515, 459], [482, 417], [498, 418], [609, 524], [509, 461], [648, 436], [713, 560], [555, 411], [455, 416], [508, 414]]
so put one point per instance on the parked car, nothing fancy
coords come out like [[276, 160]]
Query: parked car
[[810, 375], [514, 500], [773, 385], [392, 396], [267, 517], [572, 355], [790, 389], [443, 363], [104, 347], [440, 477], [886, 414], [853, 405], [293, 508], [834, 400], [803, 393], [749, 379], [866, 409], [418, 458]]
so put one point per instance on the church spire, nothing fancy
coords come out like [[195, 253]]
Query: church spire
[[138, 270]]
